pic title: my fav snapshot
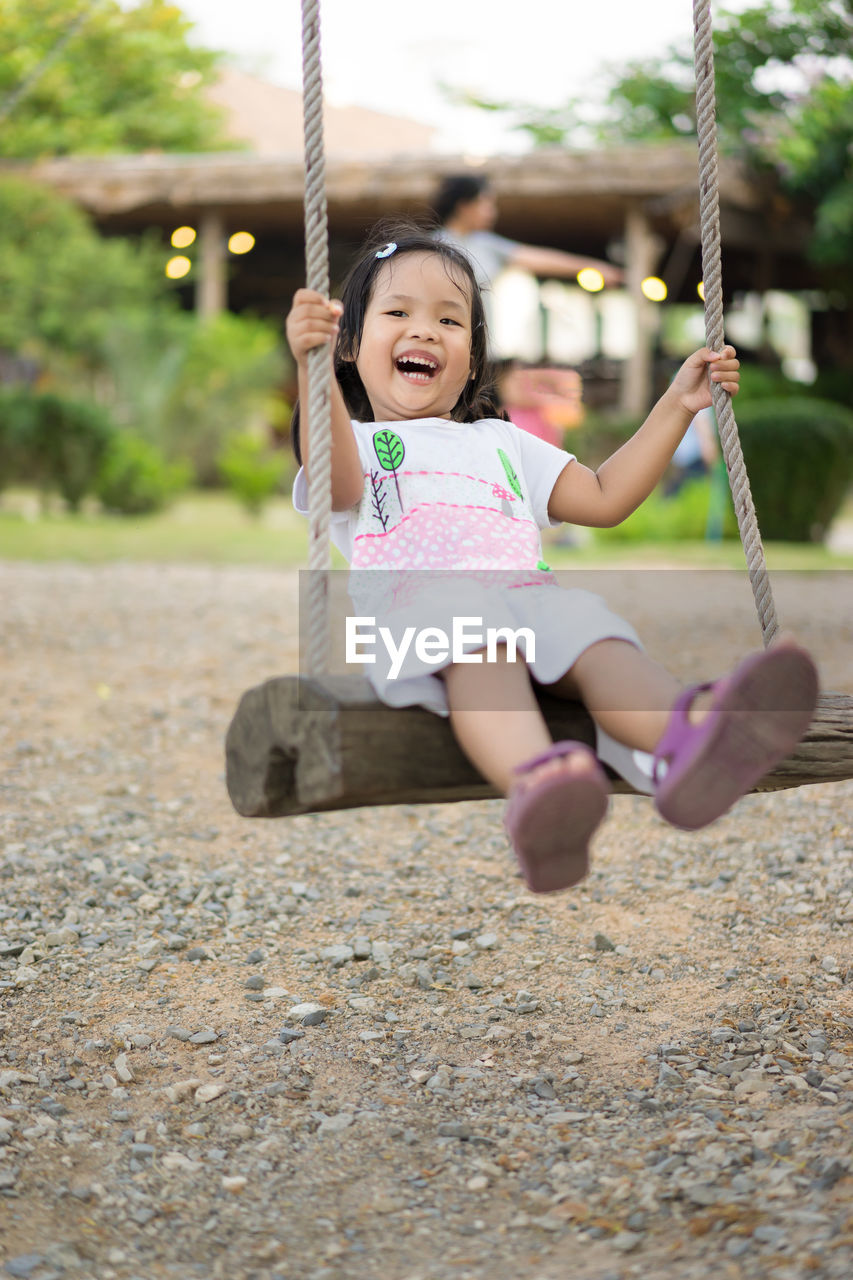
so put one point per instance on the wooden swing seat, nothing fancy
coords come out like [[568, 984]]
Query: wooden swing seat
[[305, 745]]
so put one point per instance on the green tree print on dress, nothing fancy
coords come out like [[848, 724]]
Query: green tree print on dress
[[390, 451], [512, 478]]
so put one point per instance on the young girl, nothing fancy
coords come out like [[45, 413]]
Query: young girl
[[425, 477]]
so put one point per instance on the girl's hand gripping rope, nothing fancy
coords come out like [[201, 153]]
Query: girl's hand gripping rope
[[691, 385], [313, 321]]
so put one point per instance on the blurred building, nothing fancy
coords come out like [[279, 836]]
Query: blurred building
[[638, 206]]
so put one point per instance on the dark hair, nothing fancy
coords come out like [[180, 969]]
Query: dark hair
[[456, 189], [478, 398]]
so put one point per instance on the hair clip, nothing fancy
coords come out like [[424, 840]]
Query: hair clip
[[386, 250]]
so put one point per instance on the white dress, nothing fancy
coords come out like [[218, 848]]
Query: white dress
[[447, 529]]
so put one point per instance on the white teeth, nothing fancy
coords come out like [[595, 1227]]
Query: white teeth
[[428, 364]]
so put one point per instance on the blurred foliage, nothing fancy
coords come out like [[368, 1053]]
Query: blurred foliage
[[73, 448], [232, 367], [94, 317], [14, 426], [93, 76], [701, 508], [61, 283], [186, 386], [816, 165], [833, 384], [784, 92], [798, 452], [55, 443], [760, 381], [135, 478], [253, 471], [99, 321]]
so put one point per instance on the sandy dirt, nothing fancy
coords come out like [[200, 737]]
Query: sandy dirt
[[598, 1084]]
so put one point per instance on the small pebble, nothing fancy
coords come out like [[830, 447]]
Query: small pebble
[[234, 1184], [207, 1036], [626, 1241], [288, 1034]]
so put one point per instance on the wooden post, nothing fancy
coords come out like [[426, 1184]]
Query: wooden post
[[211, 290], [641, 252]]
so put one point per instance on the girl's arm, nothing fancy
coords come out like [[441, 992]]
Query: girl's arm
[[313, 322], [606, 497]]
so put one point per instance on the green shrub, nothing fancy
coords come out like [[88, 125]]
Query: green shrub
[[252, 470], [16, 414], [765, 382], [798, 451], [135, 478], [73, 437], [55, 443], [834, 384], [702, 508], [799, 457], [60, 281], [186, 385]]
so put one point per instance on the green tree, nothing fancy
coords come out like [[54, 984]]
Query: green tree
[[816, 166], [784, 88], [186, 386], [93, 77], [94, 316], [97, 319], [61, 283]]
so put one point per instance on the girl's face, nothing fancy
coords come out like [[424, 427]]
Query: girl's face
[[415, 352]]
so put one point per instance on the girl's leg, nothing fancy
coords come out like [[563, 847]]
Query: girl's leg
[[558, 792], [495, 716], [625, 691], [712, 743]]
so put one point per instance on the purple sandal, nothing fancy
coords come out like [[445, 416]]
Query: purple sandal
[[757, 716], [550, 821]]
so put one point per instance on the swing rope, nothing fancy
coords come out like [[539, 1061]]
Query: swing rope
[[319, 372], [319, 416], [709, 216]]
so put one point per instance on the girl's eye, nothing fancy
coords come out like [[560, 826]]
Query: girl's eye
[[449, 320], [396, 313]]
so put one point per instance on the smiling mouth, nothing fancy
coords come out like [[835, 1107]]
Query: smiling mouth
[[417, 368]]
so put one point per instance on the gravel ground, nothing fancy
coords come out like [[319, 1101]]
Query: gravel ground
[[352, 1045]]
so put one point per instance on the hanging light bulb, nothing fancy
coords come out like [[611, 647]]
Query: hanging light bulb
[[241, 242], [178, 267], [591, 279], [654, 289]]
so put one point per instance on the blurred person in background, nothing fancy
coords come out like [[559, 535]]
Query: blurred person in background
[[696, 455], [467, 211], [545, 401]]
